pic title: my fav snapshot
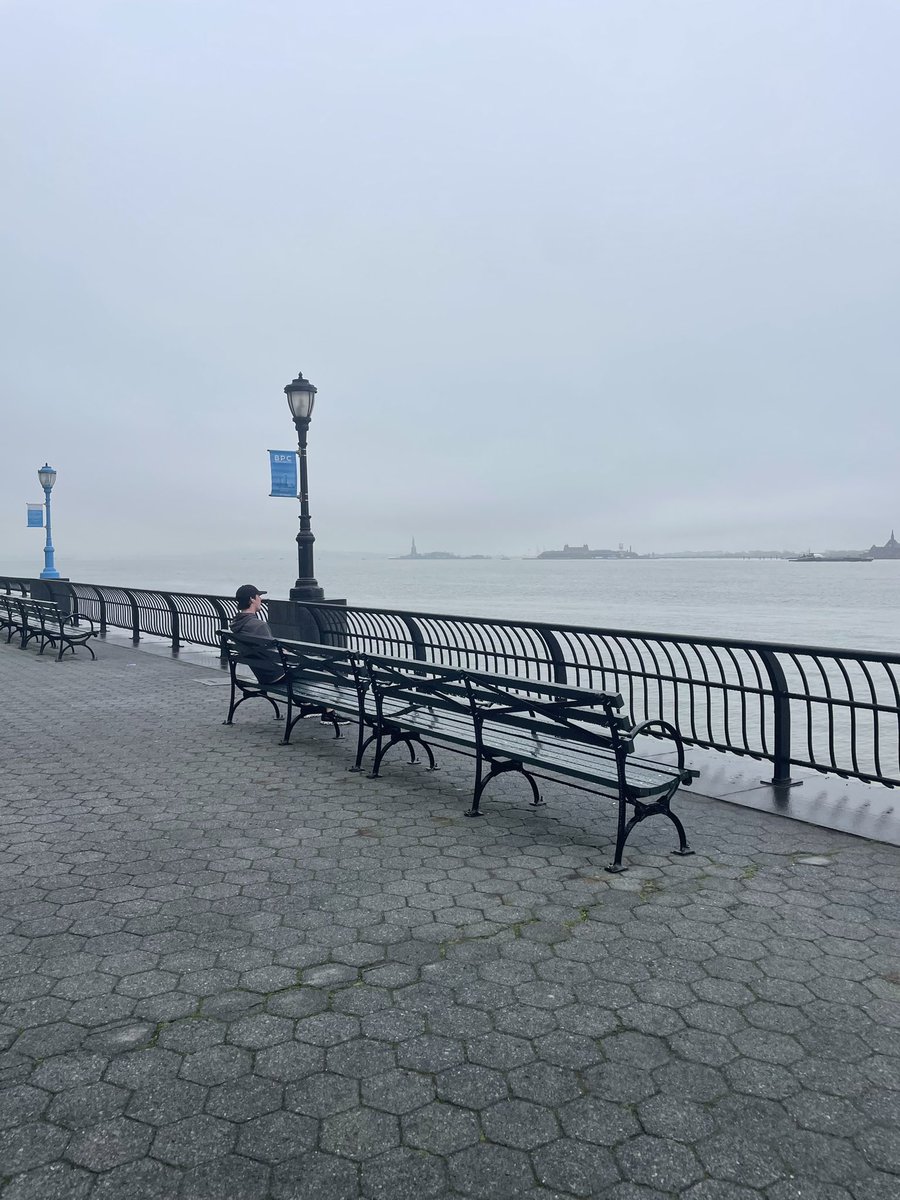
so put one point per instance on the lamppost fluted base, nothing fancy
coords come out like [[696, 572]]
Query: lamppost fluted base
[[306, 592]]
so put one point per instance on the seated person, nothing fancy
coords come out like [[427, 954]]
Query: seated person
[[258, 647]]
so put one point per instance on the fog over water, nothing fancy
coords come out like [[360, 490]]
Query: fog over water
[[562, 270]]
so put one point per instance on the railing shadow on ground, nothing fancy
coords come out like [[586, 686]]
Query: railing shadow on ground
[[831, 710]]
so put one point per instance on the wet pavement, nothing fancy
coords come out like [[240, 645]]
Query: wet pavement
[[234, 970]]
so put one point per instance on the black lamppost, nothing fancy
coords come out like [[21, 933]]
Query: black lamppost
[[301, 397]]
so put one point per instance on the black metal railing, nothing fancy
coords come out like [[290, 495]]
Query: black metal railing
[[833, 710]]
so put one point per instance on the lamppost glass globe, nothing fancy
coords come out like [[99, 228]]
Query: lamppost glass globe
[[301, 395], [47, 476]]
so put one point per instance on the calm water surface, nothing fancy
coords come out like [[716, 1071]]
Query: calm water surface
[[855, 605]]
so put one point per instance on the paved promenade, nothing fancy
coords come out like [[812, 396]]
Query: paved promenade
[[234, 971]]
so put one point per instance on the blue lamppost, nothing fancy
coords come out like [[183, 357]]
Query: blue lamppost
[[47, 476]]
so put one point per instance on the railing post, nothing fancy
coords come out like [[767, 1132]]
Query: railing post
[[223, 624], [101, 602], [416, 639], [176, 623], [135, 617], [557, 661], [781, 711]]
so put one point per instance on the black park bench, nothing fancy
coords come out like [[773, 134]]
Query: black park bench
[[537, 729], [317, 680], [44, 622]]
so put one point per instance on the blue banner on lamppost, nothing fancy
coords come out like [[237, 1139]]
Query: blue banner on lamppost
[[35, 516], [283, 465]]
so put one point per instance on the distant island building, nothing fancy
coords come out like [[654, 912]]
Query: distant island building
[[890, 549], [586, 552]]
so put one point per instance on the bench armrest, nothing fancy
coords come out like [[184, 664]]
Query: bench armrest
[[671, 731], [79, 620]]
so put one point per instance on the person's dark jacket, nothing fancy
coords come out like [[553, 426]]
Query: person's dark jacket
[[257, 647]]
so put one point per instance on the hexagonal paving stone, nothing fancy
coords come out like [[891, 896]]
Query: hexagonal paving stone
[[69, 1070], [360, 1058], [218, 1064], [244, 1098], [316, 1175], [822, 1158], [397, 1091], [440, 1128], [528, 1022], [403, 1174], [486, 1172], [138, 1068], [81, 1107], [166, 1100], [110, 1144], [277, 1136], [564, 1049], [624, 1084], [147, 1180], [430, 1052], [259, 1031], [56, 1181], [544, 1083], [21, 1104], [591, 1119], [361, 1133], [520, 1124], [289, 1061], [327, 1029], [573, 1167], [392, 1025], [193, 1141], [673, 1117], [732, 1156], [322, 1095], [658, 1163], [189, 1037], [228, 1178], [30, 1145], [471, 1086], [499, 1050]]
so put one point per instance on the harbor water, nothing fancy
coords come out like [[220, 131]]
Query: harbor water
[[846, 605]]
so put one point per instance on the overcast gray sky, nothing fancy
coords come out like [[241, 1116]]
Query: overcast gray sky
[[562, 270]]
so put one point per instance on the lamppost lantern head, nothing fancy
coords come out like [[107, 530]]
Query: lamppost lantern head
[[47, 476], [301, 397]]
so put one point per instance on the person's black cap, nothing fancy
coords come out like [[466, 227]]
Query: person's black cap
[[246, 593]]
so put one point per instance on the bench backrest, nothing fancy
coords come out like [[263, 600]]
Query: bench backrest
[[238, 652], [411, 684], [536, 707], [311, 664], [549, 709], [39, 611], [533, 706]]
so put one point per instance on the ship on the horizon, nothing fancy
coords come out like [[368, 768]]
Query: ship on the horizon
[[810, 557]]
